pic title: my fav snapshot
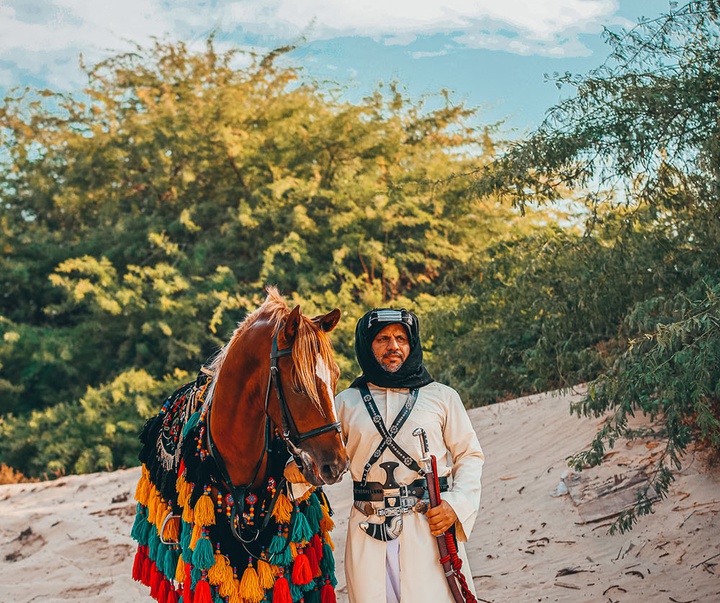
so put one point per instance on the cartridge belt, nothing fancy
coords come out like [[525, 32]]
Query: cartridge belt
[[374, 491]]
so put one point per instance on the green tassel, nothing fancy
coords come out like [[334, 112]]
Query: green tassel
[[153, 543], [313, 596], [313, 513], [327, 563], [195, 576], [296, 592], [203, 557], [139, 532], [185, 538], [160, 556], [191, 422], [171, 561], [301, 531], [281, 554]]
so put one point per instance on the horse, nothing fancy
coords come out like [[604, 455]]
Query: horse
[[230, 505]]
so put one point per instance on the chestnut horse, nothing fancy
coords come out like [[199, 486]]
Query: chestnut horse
[[230, 502]]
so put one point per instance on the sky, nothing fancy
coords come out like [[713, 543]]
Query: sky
[[488, 54]]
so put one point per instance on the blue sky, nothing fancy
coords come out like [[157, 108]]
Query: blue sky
[[490, 54]]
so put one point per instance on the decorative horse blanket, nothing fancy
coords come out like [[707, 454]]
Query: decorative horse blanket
[[187, 552]]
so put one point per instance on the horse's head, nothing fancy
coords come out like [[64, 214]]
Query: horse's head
[[305, 378]]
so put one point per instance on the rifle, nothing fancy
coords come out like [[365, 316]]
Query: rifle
[[447, 546]]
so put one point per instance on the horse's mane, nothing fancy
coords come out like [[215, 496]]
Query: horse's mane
[[309, 342]]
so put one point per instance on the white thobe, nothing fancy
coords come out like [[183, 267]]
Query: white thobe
[[452, 439]]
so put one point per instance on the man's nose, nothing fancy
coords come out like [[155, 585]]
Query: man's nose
[[393, 344]]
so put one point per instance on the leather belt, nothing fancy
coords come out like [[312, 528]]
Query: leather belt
[[374, 492]]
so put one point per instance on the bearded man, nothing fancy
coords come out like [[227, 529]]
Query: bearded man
[[391, 550]]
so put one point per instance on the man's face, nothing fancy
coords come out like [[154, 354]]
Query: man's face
[[391, 347]]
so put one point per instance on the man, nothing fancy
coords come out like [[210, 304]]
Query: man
[[391, 550]]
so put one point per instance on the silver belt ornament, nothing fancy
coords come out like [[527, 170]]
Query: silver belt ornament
[[395, 505]]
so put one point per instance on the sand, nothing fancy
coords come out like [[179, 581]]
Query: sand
[[68, 539]]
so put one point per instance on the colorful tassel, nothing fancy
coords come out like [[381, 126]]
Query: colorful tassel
[[196, 535], [281, 592], [282, 511], [184, 490], [163, 590], [180, 571], [327, 594], [140, 557], [301, 571], [203, 556], [266, 575], [327, 561], [250, 589], [317, 544], [137, 531], [155, 581], [328, 540], [142, 490], [203, 593], [187, 585], [326, 523], [205, 510], [313, 513], [313, 562], [301, 530]]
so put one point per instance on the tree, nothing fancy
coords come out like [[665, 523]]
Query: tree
[[142, 218], [639, 143]]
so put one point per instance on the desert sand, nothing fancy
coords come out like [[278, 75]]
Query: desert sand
[[541, 534]]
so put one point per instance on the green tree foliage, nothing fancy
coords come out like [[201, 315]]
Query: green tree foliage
[[633, 300], [141, 219]]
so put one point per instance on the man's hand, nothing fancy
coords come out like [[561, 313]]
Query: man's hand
[[441, 518]]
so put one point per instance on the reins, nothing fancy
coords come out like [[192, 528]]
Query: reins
[[289, 434]]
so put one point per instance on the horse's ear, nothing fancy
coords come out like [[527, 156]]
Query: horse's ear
[[292, 323], [329, 321]]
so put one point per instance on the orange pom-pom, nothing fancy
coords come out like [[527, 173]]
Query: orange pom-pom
[[250, 589], [205, 510], [283, 509]]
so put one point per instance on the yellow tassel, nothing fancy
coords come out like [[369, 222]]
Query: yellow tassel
[[234, 596], [196, 534], [283, 509], [142, 491], [218, 573], [326, 523], [266, 574], [326, 538], [180, 570], [205, 510], [250, 589], [294, 549], [172, 530], [184, 490], [188, 514]]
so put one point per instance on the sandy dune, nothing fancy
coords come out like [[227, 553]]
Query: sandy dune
[[68, 540]]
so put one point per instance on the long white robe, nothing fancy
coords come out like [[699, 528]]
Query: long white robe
[[452, 439]]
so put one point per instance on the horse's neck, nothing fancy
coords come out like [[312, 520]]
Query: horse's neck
[[237, 416]]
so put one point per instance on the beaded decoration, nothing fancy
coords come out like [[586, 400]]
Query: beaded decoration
[[186, 550]]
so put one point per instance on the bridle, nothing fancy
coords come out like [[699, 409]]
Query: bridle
[[290, 434]]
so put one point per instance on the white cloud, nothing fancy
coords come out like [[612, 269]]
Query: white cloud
[[33, 33]]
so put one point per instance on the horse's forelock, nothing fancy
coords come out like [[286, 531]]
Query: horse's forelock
[[310, 343]]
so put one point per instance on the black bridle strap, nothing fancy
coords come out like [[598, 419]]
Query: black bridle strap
[[291, 434]]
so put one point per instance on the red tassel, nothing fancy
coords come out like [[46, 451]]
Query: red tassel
[[281, 591], [202, 592], [187, 585], [163, 591], [301, 572], [313, 562], [155, 582], [147, 566], [316, 544], [140, 556], [327, 594], [173, 597]]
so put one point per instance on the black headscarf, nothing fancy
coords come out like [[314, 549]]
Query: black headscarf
[[412, 374]]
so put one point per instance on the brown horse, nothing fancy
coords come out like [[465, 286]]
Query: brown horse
[[213, 500]]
